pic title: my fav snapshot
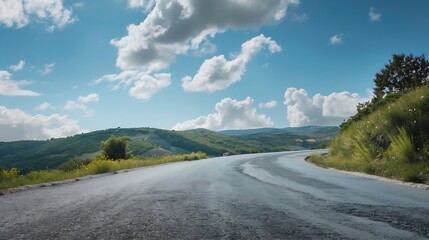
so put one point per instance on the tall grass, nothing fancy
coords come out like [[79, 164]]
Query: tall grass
[[11, 178], [401, 147], [392, 141]]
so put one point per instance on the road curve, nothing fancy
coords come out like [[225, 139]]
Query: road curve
[[260, 196]]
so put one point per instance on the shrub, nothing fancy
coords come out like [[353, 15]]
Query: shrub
[[100, 166], [115, 148], [74, 164], [9, 174]]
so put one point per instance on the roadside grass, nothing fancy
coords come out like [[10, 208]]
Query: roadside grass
[[391, 142], [415, 172], [11, 178]]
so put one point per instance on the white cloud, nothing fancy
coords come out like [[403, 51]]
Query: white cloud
[[144, 85], [230, 114], [15, 125], [336, 39], [19, 13], [268, 105], [302, 110], [374, 15], [218, 73], [81, 103], [145, 4], [47, 68], [18, 67], [43, 106], [173, 27], [9, 87]]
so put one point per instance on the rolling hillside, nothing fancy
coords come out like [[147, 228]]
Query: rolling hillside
[[299, 137], [36, 155], [391, 141]]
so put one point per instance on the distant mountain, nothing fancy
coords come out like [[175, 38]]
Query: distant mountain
[[329, 130], [245, 131], [49, 154], [299, 137]]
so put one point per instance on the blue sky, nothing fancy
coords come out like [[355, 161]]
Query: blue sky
[[72, 66]]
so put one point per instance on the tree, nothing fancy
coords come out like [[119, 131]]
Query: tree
[[401, 74], [116, 148]]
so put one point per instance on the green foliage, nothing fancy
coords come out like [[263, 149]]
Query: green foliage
[[9, 174], [401, 147], [401, 74], [74, 164], [392, 141], [37, 155], [366, 108], [100, 166], [116, 148], [11, 178]]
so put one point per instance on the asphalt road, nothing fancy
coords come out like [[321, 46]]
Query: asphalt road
[[261, 196]]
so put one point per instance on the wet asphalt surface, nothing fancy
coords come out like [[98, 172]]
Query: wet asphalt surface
[[261, 196]]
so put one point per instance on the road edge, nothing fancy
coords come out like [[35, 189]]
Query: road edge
[[66, 181], [421, 186]]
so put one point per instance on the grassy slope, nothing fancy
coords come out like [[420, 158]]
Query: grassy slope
[[393, 141], [31, 155]]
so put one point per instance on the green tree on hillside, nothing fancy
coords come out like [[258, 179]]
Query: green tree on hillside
[[115, 148], [402, 73]]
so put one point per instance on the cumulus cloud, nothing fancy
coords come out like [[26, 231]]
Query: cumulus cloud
[[374, 15], [81, 103], [143, 85], [268, 105], [147, 86], [336, 39], [9, 87], [47, 68], [230, 114], [303, 110], [15, 125], [173, 27], [19, 13], [43, 106], [218, 73], [17, 67]]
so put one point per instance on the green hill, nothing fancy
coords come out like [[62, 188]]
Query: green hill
[[49, 154], [299, 137], [391, 141]]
